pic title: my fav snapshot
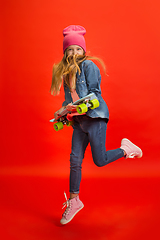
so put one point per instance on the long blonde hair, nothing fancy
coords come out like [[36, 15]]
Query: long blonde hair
[[68, 66]]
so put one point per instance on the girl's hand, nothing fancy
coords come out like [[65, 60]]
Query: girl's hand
[[56, 114], [70, 107]]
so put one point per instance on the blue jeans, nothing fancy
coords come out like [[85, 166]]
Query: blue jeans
[[93, 131]]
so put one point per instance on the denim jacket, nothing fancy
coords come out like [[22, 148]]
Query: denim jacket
[[88, 81]]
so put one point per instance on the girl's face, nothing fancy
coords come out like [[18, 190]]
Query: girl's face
[[74, 50]]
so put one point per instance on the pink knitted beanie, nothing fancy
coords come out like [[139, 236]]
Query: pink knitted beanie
[[74, 35]]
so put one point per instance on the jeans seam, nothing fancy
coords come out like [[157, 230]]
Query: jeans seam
[[102, 152], [80, 159]]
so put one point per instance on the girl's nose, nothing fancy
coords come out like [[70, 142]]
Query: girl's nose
[[74, 52]]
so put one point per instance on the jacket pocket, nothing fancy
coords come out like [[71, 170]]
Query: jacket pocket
[[81, 87]]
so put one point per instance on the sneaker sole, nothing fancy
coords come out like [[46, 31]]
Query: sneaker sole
[[67, 221], [125, 139]]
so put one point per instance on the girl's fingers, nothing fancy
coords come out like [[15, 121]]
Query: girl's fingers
[[71, 107]]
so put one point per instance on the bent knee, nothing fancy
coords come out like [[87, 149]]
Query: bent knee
[[99, 164]]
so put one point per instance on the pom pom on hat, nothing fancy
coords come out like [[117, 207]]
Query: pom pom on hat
[[74, 35]]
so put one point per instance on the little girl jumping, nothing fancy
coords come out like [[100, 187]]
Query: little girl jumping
[[80, 77]]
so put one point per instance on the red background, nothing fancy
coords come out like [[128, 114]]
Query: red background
[[125, 34]]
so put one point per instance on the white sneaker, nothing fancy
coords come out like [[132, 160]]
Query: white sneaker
[[131, 149], [74, 205]]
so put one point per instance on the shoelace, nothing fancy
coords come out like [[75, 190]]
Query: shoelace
[[131, 155], [67, 203]]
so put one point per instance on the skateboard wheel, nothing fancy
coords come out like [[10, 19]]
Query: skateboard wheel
[[94, 103], [58, 126], [69, 123], [82, 108]]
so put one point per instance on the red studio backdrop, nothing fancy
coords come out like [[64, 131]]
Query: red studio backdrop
[[126, 35]]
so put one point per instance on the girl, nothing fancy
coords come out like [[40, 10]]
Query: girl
[[80, 77]]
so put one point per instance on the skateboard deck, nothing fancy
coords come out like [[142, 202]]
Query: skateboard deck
[[89, 101]]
